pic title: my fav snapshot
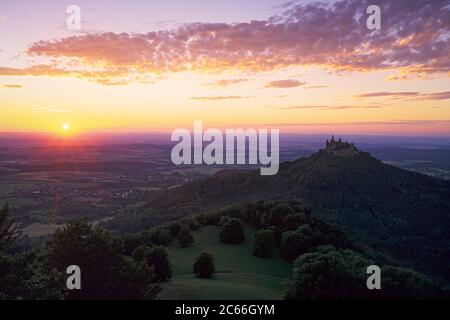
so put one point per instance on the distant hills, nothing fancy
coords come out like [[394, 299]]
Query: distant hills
[[406, 214]]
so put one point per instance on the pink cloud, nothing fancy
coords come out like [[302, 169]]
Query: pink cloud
[[444, 95], [218, 98], [413, 40], [224, 82], [284, 84]]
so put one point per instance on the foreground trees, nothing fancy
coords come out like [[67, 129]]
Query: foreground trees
[[9, 231], [328, 273], [105, 272], [204, 265], [25, 274]]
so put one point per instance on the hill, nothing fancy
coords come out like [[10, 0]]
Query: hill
[[407, 214], [395, 200]]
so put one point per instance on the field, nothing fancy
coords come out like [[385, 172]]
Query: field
[[239, 275], [40, 229]]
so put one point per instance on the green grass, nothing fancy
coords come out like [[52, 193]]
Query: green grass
[[239, 274]]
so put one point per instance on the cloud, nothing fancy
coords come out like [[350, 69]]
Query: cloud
[[435, 96], [12, 86], [325, 107], [218, 98], [413, 40], [407, 94], [50, 109], [224, 82], [284, 84], [387, 94], [429, 123], [319, 86], [104, 77]]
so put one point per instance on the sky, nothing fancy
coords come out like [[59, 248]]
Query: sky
[[300, 66]]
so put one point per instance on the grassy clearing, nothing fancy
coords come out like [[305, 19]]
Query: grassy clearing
[[40, 229], [239, 275]]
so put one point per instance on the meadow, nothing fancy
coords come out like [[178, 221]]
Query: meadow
[[239, 274]]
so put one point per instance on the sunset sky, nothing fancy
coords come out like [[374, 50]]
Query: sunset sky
[[159, 65]]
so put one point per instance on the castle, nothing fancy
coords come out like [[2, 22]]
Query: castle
[[340, 148]]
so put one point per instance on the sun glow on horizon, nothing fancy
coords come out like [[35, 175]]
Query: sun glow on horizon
[[65, 129]]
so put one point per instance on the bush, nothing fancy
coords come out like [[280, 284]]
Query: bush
[[131, 242], [141, 253], [328, 273], [158, 237], [264, 244], [232, 232], [278, 213], [204, 265], [159, 260], [175, 228], [194, 225], [295, 243], [185, 238]]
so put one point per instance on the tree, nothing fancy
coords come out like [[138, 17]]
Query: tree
[[232, 232], [264, 244], [185, 238], [175, 228], [159, 260], [25, 276], [204, 265], [278, 212], [142, 253], [105, 272], [158, 237], [328, 273], [295, 243], [9, 231]]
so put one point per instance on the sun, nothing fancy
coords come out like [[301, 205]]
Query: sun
[[65, 127]]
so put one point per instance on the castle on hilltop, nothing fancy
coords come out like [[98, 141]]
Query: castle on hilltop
[[340, 148]]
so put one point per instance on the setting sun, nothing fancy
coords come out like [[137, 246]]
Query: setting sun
[[65, 127]]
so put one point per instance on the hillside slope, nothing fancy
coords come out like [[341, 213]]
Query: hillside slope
[[407, 213]]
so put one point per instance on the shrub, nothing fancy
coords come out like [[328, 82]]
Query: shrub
[[264, 244], [204, 265], [278, 213], [175, 228], [159, 260], [295, 243], [185, 238]]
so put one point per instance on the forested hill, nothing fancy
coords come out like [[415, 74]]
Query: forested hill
[[407, 212], [392, 200]]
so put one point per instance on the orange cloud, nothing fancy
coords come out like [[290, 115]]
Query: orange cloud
[[284, 84], [324, 107], [444, 95], [13, 86], [224, 82], [218, 98]]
